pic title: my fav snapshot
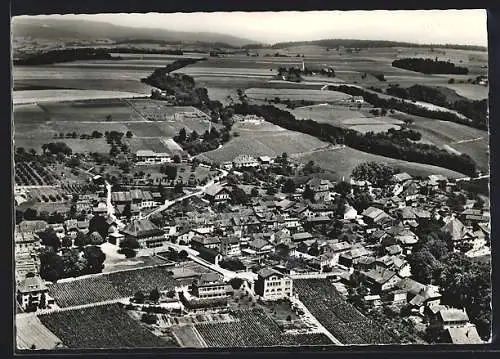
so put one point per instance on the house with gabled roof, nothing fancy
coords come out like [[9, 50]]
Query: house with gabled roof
[[30, 291], [217, 194], [380, 280], [272, 284], [401, 177], [145, 232]]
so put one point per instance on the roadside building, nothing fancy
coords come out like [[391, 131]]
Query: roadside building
[[145, 232], [149, 157], [210, 285], [273, 285]]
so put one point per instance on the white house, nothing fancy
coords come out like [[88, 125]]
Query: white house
[[245, 161], [149, 157], [273, 285]]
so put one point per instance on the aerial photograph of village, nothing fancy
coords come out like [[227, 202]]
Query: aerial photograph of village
[[243, 180]]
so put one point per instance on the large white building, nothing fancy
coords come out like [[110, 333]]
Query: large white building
[[245, 161], [148, 157], [273, 285]]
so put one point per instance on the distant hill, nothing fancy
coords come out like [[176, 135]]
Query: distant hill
[[68, 30], [333, 43]]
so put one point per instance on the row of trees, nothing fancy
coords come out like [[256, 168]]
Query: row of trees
[[476, 110], [382, 144], [429, 66], [64, 55], [407, 107], [195, 144], [72, 262]]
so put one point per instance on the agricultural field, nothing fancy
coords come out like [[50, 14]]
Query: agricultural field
[[263, 139], [61, 77], [91, 111], [252, 328], [341, 319], [472, 92], [110, 286], [296, 94], [358, 119], [101, 327], [453, 137], [341, 161], [36, 125], [31, 332], [38, 96]]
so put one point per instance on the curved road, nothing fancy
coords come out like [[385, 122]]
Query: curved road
[[199, 192]]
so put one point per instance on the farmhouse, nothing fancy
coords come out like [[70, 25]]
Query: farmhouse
[[358, 99], [380, 280], [273, 285], [216, 193], [453, 317], [149, 157], [245, 161], [145, 232]]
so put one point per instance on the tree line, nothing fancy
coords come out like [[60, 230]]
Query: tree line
[[476, 110], [429, 66], [383, 144], [406, 107], [65, 55]]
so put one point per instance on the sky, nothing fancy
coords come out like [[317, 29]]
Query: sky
[[419, 26]]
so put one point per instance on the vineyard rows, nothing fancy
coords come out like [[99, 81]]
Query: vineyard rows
[[340, 318], [111, 286], [106, 327], [253, 329]]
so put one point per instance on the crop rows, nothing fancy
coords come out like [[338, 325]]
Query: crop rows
[[253, 328], [100, 327], [32, 175], [111, 286], [340, 318]]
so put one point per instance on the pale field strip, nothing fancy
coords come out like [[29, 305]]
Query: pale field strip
[[30, 331], [37, 96]]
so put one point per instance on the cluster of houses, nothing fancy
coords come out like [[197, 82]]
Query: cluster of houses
[[373, 243]]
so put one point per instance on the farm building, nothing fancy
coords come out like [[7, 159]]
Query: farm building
[[245, 161], [149, 157], [453, 317], [358, 99], [217, 193], [145, 232], [272, 285], [210, 242]]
